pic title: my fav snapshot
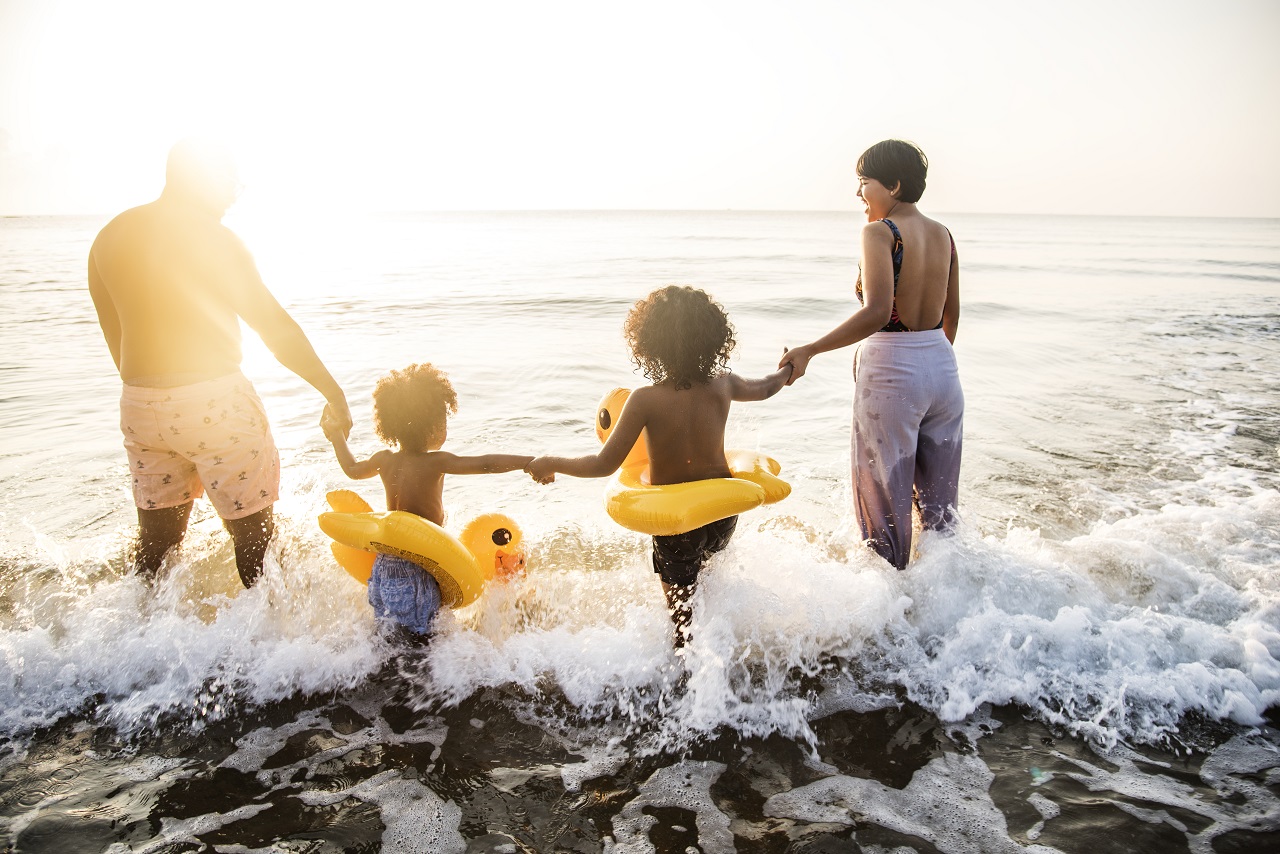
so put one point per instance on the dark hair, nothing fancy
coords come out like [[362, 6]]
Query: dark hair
[[410, 406], [679, 333], [896, 161]]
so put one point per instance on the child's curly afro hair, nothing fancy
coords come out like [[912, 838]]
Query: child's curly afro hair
[[411, 405], [681, 334]]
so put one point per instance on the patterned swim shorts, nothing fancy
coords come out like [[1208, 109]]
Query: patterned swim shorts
[[210, 436], [404, 593]]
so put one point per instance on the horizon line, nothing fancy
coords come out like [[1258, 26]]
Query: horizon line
[[418, 211]]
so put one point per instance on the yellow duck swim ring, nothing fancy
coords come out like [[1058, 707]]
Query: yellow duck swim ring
[[634, 503], [488, 546]]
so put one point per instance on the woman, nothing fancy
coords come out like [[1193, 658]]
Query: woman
[[907, 404]]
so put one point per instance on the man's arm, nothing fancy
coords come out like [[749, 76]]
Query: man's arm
[[283, 336], [623, 438], [108, 318]]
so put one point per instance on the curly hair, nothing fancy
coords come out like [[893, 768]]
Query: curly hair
[[681, 334], [411, 405]]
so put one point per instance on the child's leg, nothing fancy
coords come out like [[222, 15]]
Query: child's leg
[[680, 604], [678, 559]]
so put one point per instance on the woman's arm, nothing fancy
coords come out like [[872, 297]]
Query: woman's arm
[[623, 438], [877, 293], [951, 308]]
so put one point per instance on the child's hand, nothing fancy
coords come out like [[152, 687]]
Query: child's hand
[[331, 425], [798, 358], [542, 470]]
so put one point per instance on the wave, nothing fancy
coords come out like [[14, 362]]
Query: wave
[[1116, 635]]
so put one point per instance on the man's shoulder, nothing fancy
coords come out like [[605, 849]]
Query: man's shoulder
[[123, 220]]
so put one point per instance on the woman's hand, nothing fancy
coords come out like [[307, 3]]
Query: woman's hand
[[798, 358]]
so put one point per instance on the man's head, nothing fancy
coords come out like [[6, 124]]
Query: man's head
[[203, 172]]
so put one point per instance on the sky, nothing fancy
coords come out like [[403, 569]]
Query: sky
[[1123, 107]]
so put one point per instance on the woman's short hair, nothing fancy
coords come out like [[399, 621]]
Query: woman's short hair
[[681, 334], [896, 161], [411, 406]]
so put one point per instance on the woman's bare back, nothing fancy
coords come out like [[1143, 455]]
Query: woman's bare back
[[921, 292]]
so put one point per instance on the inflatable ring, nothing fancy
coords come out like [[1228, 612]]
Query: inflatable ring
[[490, 545], [634, 503]]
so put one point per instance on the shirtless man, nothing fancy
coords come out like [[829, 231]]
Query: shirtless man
[[170, 284]]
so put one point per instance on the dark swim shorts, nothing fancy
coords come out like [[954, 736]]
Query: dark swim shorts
[[678, 558]]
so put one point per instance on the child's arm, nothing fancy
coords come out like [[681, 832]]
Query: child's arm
[[483, 464], [764, 388], [351, 467], [623, 438]]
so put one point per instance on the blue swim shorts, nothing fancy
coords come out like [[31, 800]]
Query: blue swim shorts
[[404, 593]]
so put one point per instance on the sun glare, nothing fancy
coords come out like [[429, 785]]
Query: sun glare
[[575, 104]]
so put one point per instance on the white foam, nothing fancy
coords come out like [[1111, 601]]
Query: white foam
[[1242, 805], [1115, 634], [946, 804], [188, 830], [685, 785], [194, 648], [1047, 809], [416, 819]]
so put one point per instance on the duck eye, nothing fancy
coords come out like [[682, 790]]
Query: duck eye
[[604, 419], [501, 537]]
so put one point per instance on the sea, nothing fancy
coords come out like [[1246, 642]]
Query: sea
[[1089, 663]]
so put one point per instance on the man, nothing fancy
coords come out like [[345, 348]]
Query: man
[[171, 283]]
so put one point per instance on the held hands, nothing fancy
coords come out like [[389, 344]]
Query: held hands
[[541, 470], [335, 426], [798, 358]]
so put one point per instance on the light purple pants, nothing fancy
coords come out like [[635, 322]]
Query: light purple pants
[[908, 412]]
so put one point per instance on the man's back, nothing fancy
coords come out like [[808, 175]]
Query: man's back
[[174, 275]]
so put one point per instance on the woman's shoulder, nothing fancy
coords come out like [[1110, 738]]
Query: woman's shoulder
[[879, 229], [919, 227]]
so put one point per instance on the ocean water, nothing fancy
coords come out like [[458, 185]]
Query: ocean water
[[1091, 663]]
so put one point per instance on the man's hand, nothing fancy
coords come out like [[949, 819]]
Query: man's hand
[[335, 426]]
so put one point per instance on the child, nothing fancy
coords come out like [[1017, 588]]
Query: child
[[681, 339], [410, 407]]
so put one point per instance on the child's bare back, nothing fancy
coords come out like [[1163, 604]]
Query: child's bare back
[[685, 428], [413, 482], [410, 411]]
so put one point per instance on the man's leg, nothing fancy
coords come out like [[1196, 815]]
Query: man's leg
[[158, 532], [250, 536]]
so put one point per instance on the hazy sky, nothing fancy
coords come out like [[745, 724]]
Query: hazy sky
[[1074, 106]]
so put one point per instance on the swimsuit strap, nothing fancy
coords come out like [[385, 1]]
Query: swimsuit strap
[[897, 255]]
